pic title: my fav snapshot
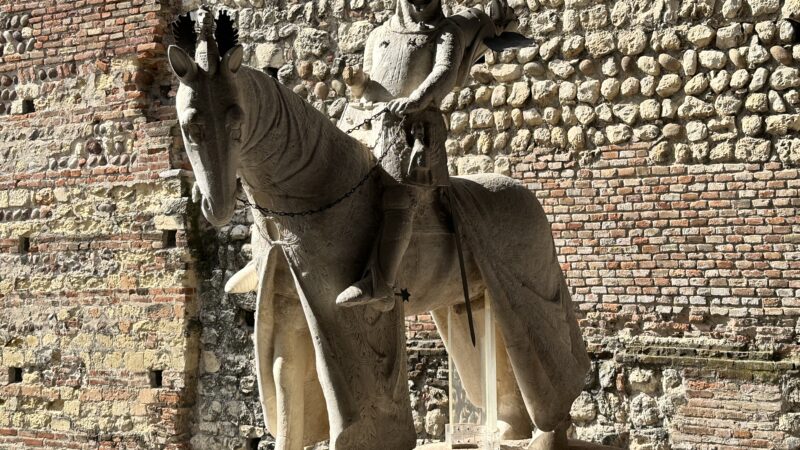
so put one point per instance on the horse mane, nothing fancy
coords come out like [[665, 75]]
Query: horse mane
[[311, 137]]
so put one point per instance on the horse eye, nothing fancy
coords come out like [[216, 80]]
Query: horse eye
[[194, 132]]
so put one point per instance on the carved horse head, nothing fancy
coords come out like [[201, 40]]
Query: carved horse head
[[208, 106]]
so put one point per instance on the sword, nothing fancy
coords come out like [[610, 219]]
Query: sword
[[464, 284]]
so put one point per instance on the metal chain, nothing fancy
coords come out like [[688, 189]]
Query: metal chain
[[349, 193]]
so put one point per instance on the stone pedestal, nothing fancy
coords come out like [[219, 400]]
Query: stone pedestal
[[526, 445]]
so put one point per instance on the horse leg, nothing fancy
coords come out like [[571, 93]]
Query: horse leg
[[512, 416], [293, 351]]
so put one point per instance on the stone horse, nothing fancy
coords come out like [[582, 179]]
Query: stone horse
[[340, 373]]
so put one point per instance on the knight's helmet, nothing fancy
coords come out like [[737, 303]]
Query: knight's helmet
[[207, 52]]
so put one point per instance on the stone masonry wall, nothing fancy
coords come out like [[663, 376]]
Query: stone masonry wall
[[661, 137], [97, 348]]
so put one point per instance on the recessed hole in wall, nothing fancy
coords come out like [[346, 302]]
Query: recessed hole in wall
[[15, 375], [27, 106], [252, 443], [271, 71], [169, 238], [24, 244], [156, 378], [247, 318]]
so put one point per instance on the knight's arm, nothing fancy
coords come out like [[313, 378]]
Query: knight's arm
[[443, 77]]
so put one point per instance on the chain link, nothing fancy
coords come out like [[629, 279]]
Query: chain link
[[346, 195]]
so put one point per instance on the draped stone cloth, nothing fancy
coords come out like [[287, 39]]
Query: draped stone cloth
[[508, 234]]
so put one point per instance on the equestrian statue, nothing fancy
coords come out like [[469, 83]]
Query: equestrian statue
[[348, 226]]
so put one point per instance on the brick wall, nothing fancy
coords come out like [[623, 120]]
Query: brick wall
[[96, 288], [661, 138]]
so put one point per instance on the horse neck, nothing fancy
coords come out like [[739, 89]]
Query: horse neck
[[293, 157]]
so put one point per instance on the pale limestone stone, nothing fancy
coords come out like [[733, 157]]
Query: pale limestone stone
[[740, 78], [472, 164], [788, 150], [576, 138], [584, 409], [551, 115], [668, 85], [696, 85], [672, 130], [650, 110], [619, 13], [532, 117], [572, 46], [483, 95], [756, 53], [644, 411], [661, 152], [731, 9], [776, 104], [631, 42], [792, 97], [722, 153], [757, 102], [353, 36], [541, 136], [505, 73], [728, 104], [700, 35], [646, 133], [527, 54], [521, 140], [589, 91], [517, 118], [648, 65], [459, 121], [647, 86], [763, 7], [599, 43], [311, 42], [753, 150], [700, 151], [720, 81], [736, 57], [570, 20], [609, 67], [268, 55], [629, 87], [549, 49], [783, 78], [558, 137], [502, 119], [594, 18], [752, 125], [670, 41], [543, 90], [618, 134], [759, 79], [786, 30], [585, 114], [683, 153], [669, 108], [712, 59], [520, 91], [781, 55], [766, 31], [669, 63], [561, 69], [567, 91], [484, 144], [694, 108], [481, 118], [780, 124], [689, 62], [696, 131], [502, 165], [603, 112], [501, 142], [628, 113], [610, 88], [533, 69], [465, 98], [568, 116], [499, 95], [730, 36]]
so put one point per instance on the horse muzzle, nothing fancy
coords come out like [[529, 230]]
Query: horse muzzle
[[217, 214]]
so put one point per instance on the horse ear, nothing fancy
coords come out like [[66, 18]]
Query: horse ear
[[181, 63], [233, 58]]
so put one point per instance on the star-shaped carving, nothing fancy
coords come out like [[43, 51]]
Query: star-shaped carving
[[404, 294]]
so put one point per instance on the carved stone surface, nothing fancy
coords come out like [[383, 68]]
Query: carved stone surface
[[310, 351]]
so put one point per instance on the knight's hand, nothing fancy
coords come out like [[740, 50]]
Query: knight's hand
[[403, 106]]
